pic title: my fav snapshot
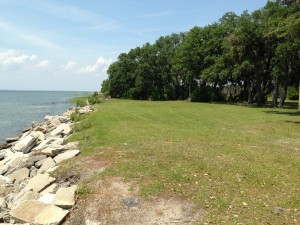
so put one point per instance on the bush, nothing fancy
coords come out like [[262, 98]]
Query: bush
[[80, 102], [293, 93], [201, 94], [95, 98]]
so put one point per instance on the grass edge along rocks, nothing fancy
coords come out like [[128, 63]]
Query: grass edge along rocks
[[28, 192]]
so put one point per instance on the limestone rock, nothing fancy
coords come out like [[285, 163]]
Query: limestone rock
[[39, 163], [36, 158], [52, 215], [47, 198], [61, 129], [39, 213], [24, 195], [49, 163], [85, 109], [33, 171], [19, 163], [55, 121], [64, 119], [52, 151], [40, 182], [2, 203], [12, 139], [71, 145], [49, 189], [5, 180], [3, 146], [52, 169], [27, 143], [66, 155], [57, 141], [19, 175], [43, 144], [65, 197]]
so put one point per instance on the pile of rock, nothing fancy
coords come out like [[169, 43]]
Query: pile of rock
[[28, 193]]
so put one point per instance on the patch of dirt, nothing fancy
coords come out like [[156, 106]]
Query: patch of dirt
[[113, 201]]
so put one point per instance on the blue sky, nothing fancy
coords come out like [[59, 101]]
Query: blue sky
[[68, 45]]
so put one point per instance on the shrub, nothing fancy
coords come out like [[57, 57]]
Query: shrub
[[293, 93], [95, 98], [201, 94]]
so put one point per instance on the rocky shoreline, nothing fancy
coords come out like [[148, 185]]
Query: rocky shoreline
[[28, 192]]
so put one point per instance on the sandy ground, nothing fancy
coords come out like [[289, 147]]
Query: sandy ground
[[114, 201]]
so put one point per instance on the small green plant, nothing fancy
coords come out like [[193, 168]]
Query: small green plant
[[84, 125], [75, 116], [95, 98], [83, 191]]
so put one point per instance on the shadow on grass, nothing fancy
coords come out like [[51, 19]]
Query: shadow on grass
[[293, 113], [293, 122]]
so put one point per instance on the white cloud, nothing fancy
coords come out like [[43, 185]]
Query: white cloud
[[70, 65], [43, 64], [12, 57], [100, 63]]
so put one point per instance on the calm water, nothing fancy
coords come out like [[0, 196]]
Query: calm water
[[19, 108]]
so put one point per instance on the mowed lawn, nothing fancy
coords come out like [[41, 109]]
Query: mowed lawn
[[239, 164]]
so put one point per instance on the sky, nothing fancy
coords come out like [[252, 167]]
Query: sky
[[69, 44]]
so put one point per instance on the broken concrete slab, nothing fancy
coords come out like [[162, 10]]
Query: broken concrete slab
[[49, 189], [12, 139], [47, 198], [5, 180], [19, 175], [51, 169], [39, 213], [27, 143], [61, 129], [65, 197], [38, 164], [40, 182], [66, 155], [52, 151], [48, 163], [24, 195]]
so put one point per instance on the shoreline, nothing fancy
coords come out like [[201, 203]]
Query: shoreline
[[26, 166], [21, 108]]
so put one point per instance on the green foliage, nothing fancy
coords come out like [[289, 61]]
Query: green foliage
[[95, 98], [293, 93], [201, 94], [257, 53], [81, 126], [80, 102]]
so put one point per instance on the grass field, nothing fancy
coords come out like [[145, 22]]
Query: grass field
[[239, 164]]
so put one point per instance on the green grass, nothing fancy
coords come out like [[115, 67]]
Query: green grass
[[237, 163]]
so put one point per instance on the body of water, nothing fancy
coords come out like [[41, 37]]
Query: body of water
[[19, 108]]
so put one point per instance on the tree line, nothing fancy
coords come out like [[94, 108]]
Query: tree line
[[238, 58]]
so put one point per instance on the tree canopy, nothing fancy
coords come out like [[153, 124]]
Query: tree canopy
[[238, 58]]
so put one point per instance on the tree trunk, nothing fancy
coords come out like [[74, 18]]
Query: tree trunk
[[275, 95], [299, 98], [250, 100], [284, 93], [259, 94]]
